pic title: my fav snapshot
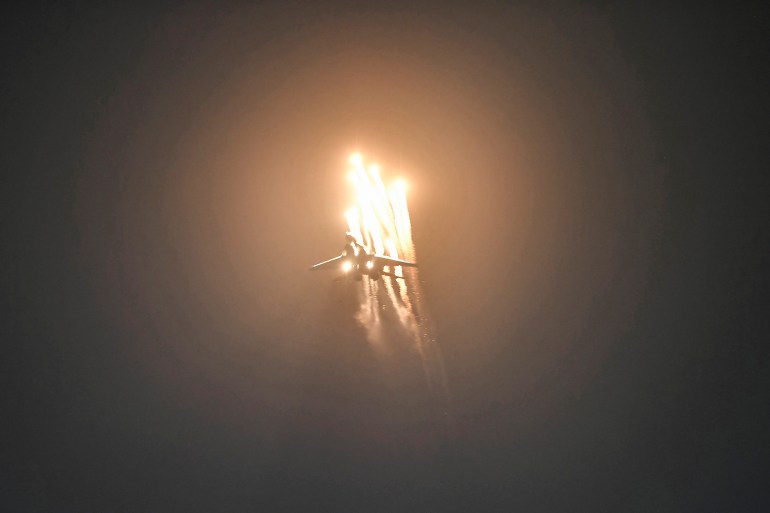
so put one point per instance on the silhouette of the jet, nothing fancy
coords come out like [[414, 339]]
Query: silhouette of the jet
[[356, 261]]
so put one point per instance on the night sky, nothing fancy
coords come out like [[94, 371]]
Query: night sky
[[587, 189]]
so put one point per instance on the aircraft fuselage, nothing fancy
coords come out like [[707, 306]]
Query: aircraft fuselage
[[356, 261]]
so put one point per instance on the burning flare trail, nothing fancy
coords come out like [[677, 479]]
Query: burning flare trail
[[389, 307]]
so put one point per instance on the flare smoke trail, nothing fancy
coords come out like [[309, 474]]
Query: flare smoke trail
[[380, 220]]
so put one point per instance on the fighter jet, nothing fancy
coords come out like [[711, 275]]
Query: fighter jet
[[356, 261]]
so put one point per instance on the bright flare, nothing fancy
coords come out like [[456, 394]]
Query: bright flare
[[380, 213]]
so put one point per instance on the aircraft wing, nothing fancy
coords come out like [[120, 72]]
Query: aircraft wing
[[327, 264], [383, 260]]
